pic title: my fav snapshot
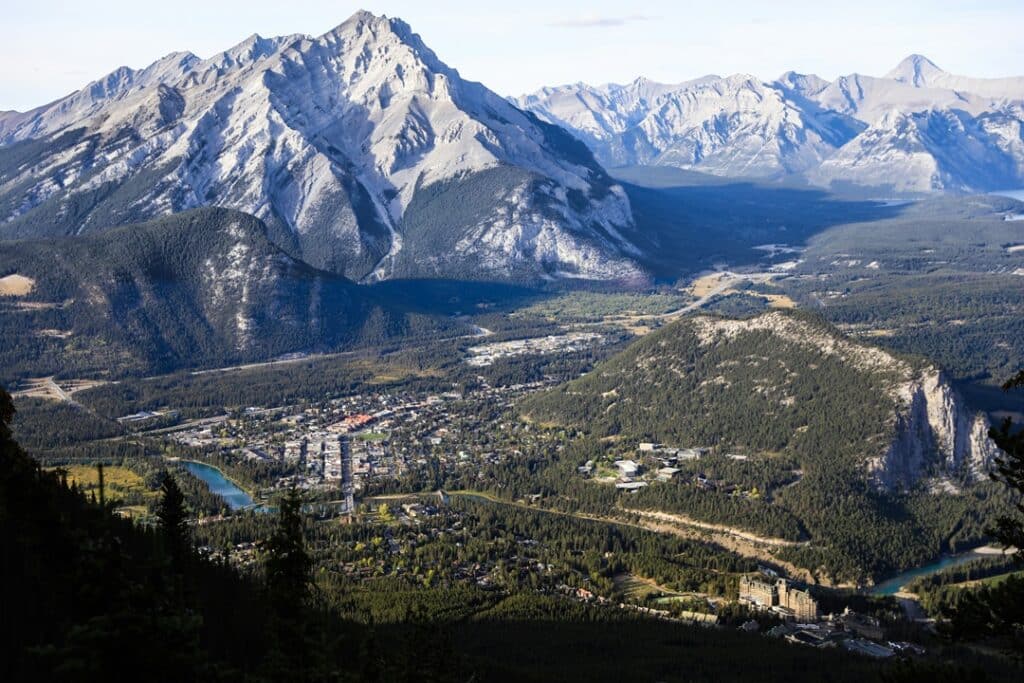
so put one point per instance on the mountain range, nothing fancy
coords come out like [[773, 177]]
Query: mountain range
[[366, 156], [362, 152], [915, 130]]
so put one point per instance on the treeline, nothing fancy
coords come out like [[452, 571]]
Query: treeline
[[969, 324], [47, 424]]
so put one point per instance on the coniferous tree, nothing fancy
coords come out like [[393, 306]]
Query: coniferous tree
[[287, 568], [288, 563], [173, 518], [1010, 471]]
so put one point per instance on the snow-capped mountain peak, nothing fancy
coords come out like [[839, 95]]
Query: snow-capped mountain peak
[[340, 143], [919, 128], [915, 70], [736, 125]]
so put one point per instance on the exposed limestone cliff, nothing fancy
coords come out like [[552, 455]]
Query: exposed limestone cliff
[[933, 432], [935, 435]]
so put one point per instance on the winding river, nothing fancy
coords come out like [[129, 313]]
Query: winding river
[[893, 585], [220, 485]]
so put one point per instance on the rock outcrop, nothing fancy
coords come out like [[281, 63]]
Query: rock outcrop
[[935, 435]]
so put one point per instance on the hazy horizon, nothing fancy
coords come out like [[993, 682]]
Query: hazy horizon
[[52, 48]]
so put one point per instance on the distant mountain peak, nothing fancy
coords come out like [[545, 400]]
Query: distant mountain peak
[[915, 70], [363, 20]]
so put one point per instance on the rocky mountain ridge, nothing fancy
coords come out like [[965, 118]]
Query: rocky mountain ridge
[[914, 130], [334, 142]]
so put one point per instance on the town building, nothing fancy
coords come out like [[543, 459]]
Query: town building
[[861, 624], [627, 469], [668, 473], [779, 596]]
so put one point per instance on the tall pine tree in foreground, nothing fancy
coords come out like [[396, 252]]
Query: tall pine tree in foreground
[[174, 520], [287, 568], [1010, 471]]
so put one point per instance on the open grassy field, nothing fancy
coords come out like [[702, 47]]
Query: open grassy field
[[371, 436], [120, 483], [639, 588], [598, 306]]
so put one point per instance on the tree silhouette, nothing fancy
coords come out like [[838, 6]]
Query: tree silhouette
[[288, 563], [287, 568], [1009, 469], [173, 518], [998, 610]]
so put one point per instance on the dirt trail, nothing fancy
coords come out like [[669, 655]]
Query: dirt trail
[[720, 528]]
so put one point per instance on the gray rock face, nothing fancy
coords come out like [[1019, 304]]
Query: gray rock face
[[326, 139], [934, 436]]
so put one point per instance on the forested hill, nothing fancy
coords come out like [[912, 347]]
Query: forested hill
[[198, 288], [780, 382], [855, 438]]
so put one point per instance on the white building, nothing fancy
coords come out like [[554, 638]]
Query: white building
[[627, 468]]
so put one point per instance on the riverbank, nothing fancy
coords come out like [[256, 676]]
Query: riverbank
[[220, 484], [894, 585]]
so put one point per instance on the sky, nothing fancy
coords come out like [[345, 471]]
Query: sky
[[49, 48]]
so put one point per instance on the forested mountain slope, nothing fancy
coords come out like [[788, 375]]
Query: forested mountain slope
[[197, 288], [858, 439], [779, 382]]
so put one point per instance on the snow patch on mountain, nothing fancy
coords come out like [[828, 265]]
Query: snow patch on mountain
[[728, 126], [916, 129], [329, 138]]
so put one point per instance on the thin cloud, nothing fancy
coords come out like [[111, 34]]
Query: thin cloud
[[600, 22]]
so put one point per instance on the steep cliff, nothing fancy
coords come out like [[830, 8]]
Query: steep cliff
[[934, 435]]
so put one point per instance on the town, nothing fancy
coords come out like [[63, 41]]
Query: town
[[360, 455], [358, 445]]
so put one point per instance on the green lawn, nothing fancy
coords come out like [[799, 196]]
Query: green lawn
[[372, 436]]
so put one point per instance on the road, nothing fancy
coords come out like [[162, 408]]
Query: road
[[188, 424], [721, 528], [728, 280], [912, 609], [44, 387], [304, 357]]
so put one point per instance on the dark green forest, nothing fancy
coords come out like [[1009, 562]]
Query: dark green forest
[[206, 287]]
